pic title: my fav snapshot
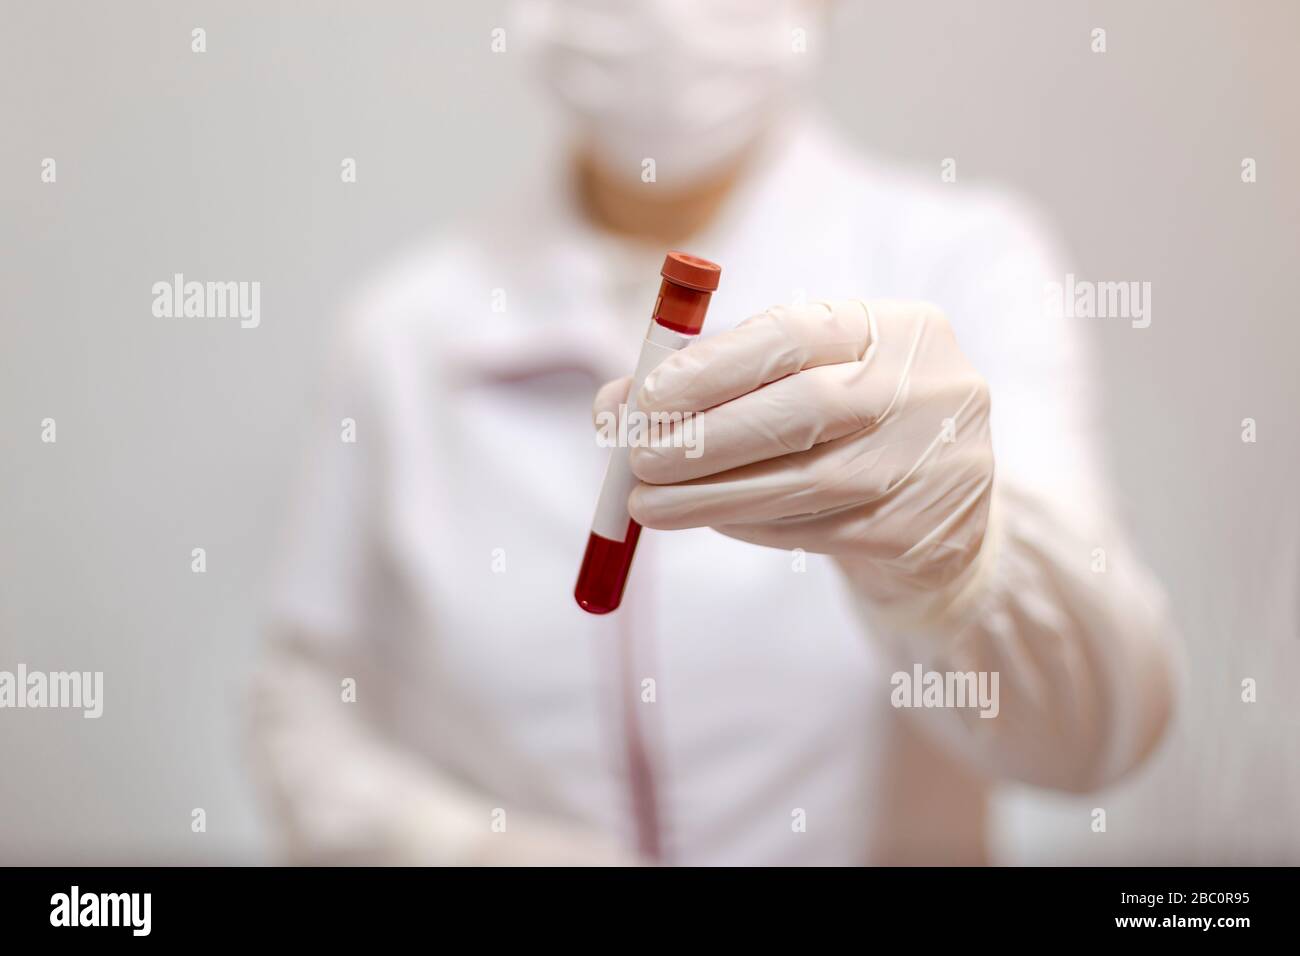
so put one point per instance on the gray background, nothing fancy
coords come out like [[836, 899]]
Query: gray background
[[174, 435]]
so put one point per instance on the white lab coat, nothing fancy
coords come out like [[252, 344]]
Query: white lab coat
[[736, 710]]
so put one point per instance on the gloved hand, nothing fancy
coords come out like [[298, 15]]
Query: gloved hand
[[849, 429]]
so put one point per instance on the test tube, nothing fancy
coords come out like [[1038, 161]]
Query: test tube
[[688, 282]]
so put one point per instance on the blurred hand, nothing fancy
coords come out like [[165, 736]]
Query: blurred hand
[[529, 841]]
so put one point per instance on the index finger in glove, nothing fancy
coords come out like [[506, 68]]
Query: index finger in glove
[[766, 347], [912, 362]]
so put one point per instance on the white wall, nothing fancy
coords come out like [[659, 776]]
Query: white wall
[[227, 164]]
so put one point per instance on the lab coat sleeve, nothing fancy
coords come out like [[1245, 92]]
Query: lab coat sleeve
[[1057, 604], [342, 782]]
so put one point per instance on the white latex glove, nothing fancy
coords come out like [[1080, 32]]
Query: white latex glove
[[843, 428]]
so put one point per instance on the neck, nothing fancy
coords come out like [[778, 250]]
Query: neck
[[645, 211]]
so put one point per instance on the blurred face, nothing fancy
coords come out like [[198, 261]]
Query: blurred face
[[689, 84]]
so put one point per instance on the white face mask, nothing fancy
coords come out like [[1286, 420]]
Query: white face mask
[[689, 84]]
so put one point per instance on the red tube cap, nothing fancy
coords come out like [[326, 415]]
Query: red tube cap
[[682, 268]]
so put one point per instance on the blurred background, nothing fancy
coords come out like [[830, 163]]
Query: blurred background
[[181, 435]]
